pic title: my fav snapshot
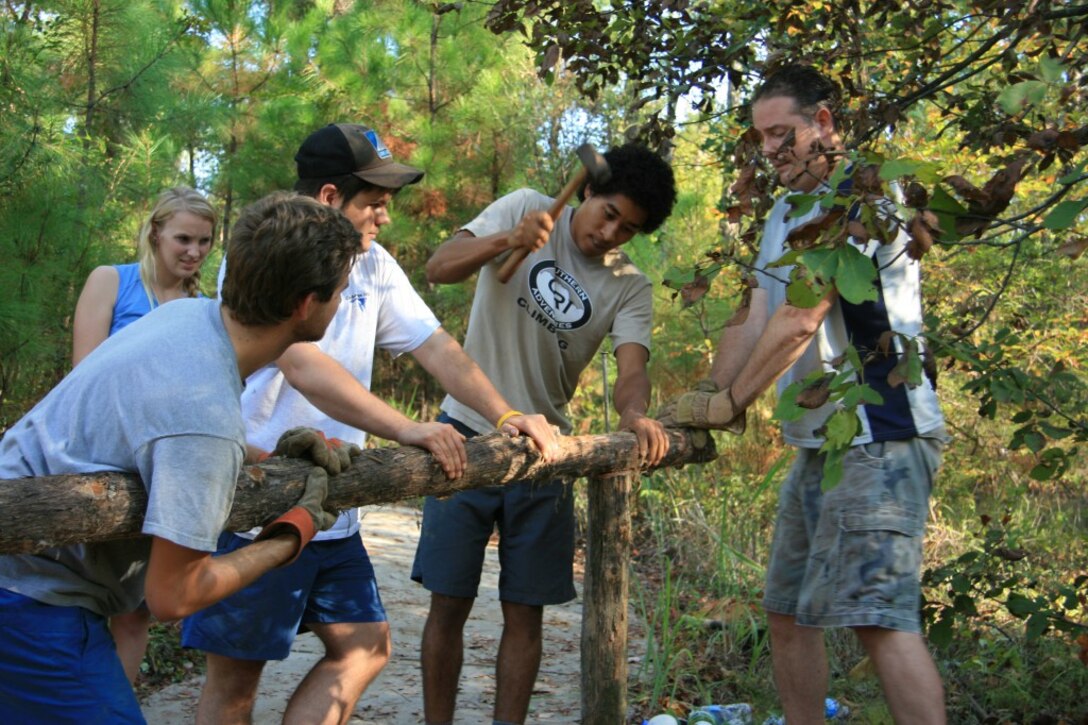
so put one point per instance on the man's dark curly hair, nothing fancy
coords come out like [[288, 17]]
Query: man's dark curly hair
[[644, 178], [809, 88]]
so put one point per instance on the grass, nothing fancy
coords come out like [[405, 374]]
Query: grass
[[165, 661]]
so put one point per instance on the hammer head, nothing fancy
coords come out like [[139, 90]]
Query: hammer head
[[596, 166]]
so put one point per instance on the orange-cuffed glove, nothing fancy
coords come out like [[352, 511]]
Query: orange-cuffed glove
[[307, 516]]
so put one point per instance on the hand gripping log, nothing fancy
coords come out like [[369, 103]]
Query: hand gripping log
[[594, 169]]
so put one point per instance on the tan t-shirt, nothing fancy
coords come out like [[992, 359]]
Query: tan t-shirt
[[535, 335]]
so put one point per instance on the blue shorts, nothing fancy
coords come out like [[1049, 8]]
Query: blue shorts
[[59, 665], [536, 540], [331, 581], [852, 557]]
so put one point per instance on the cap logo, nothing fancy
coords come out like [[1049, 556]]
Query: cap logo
[[379, 147]]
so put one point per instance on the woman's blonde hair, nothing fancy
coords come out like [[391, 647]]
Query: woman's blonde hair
[[169, 203]]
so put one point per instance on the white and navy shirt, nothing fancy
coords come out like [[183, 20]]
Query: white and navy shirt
[[905, 413]]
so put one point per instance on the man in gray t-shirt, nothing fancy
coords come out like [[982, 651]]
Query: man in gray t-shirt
[[533, 337], [161, 399]]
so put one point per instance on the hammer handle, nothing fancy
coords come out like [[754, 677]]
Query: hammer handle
[[514, 260]]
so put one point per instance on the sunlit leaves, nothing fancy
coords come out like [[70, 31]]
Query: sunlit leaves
[[1065, 214], [1019, 96]]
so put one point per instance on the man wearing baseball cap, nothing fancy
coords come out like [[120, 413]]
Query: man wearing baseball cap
[[332, 591]]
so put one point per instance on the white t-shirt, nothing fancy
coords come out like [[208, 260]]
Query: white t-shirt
[[905, 413], [160, 398], [378, 308], [535, 335]]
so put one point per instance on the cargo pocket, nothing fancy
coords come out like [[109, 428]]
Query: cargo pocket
[[880, 555]]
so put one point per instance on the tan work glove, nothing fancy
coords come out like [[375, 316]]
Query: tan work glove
[[706, 409], [307, 516], [667, 416], [332, 454]]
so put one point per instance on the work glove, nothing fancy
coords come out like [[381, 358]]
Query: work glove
[[667, 416], [705, 407], [332, 454], [307, 516]]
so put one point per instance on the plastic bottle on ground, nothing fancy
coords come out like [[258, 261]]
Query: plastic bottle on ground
[[834, 710], [704, 716], [662, 719], [738, 713]]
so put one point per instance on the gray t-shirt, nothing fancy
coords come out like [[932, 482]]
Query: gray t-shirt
[[535, 335], [161, 399]]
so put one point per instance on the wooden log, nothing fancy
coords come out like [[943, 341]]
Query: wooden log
[[604, 614], [54, 511]]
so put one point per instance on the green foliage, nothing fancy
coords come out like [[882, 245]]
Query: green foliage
[[165, 661], [993, 572]]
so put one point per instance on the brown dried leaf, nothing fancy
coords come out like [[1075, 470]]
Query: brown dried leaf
[[966, 189], [896, 376], [858, 231], [1000, 188], [890, 114], [1008, 554], [1074, 247], [808, 234], [921, 236], [867, 180], [1069, 140], [1042, 140], [743, 185], [693, 291], [885, 344], [551, 57], [741, 315], [744, 189], [916, 196], [816, 393]]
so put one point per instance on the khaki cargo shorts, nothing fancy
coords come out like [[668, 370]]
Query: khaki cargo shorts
[[852, 557]]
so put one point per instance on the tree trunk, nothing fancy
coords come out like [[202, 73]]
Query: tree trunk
[[57, 510], [604, 616]]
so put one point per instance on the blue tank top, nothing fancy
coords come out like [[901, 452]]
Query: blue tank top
[[132, 301]]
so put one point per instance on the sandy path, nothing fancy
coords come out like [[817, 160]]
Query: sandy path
[[395, 697]]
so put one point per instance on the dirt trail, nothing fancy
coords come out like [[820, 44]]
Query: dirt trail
[[395, 698]]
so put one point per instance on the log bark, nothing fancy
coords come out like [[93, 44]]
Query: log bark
[[604, 614], [52, 511]]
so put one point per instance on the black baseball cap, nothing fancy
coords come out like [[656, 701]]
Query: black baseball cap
[[347, 148]]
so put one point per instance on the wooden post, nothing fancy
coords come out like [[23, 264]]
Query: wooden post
[[604, 608]]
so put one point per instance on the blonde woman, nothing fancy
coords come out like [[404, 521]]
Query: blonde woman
[[174, 240], [173, 243]]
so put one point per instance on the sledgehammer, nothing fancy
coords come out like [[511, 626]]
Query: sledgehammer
[[594, 169]]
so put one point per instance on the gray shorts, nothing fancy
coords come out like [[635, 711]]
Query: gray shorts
[[852, 557], [536, 540]]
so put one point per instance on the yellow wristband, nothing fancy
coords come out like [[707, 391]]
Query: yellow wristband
[[507, 416]]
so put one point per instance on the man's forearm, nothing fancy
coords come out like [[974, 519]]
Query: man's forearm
[[462, 256], [181, 581], [460, 376], [336, 393], [631, 394], [785, 338]]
